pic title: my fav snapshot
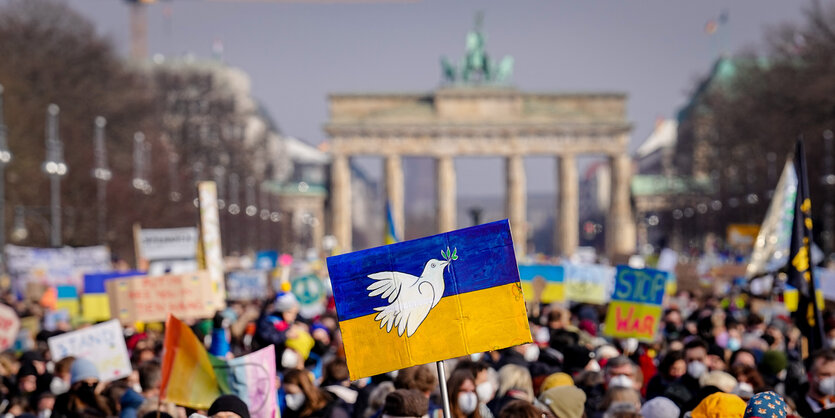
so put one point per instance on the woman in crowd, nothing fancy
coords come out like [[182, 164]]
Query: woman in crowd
[[463, 399], [514, 383], [303, 399]]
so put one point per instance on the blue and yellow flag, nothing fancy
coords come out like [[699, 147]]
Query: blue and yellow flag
[[429, 299], [391, 233]]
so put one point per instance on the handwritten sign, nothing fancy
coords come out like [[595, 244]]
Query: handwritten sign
[[151, 299], [102, 344], [635, 309], [9, 327], [246, 285], [587, 283]]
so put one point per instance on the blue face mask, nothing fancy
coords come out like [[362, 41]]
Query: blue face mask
[[734, 344]]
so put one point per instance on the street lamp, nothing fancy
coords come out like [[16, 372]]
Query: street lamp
[[5, 158], [55, 168], [102, 174]]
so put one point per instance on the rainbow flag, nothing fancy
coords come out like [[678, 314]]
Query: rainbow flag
[[251, 378], [391, 234], [193, 378], [402, 304], [188, 376]]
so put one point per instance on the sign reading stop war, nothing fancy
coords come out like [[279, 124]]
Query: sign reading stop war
[[635, 308], [151, 299]]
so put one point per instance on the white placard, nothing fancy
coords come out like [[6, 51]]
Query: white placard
[[9, 326], [168, 244], [102, 344]]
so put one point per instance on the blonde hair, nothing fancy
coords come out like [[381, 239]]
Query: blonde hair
[[513, 377]]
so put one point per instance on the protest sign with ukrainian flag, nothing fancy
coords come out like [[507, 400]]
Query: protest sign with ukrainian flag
[[635, 308], [429, 299]]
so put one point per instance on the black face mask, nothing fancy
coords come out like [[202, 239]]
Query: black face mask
[[87, 393]]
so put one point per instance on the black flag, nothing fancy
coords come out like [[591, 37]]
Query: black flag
[[800, 269]]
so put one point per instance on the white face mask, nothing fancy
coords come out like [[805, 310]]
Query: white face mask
[[621, 381], [289, 359], [696, 369], [58, 386], [476, 356], [467, 402], [744, 390], [485, 391], [532, 353], [827, 386], [294, 401]]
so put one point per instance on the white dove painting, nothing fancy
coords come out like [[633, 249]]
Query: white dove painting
[[410, 297]]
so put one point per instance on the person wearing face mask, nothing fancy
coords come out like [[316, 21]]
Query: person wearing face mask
[[83, 399], [463, 399], [303, 399], [819, 393], [485, 388], [687, 387]]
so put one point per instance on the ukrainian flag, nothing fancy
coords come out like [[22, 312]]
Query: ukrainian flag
[[546, 281], [429, 299], [391, 234]]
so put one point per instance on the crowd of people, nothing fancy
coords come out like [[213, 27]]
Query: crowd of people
[[712, 359]]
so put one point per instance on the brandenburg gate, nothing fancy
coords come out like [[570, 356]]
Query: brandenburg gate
[[484, 117]]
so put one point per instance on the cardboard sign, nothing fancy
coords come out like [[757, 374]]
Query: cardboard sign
[[68, 300], [246, 285], [429, 299], [9, 327], [151, 299], [588, 283], [635, 308], [54, 266], [542, 283], [102, 344]]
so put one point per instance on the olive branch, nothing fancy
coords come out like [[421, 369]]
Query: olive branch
[[450, 256]]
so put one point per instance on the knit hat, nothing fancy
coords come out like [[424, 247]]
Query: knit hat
[[565, 401], [83, 369], [720, 405], [556, 380], [229, 403], [766, 405], [660, 407], [285, 301], [773, 362], [406, 403], [718, 379]]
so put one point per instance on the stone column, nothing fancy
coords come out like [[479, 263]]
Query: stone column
[[445, 167], [341, 201], [516, 207], [620, 224], [569, 219], [394, 192]]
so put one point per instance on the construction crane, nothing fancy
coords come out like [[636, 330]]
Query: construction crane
[[139, 18]]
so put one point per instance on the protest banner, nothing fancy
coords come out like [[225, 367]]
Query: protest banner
[[635, 308], [54, 266], [310, 291], [95, 306], [245, 285], [102, 344], [9, 327], [151, 299], [210, 240], [742, 236], [542, 283], [588, 283], [401, 305]]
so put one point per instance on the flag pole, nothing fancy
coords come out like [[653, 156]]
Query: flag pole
[[444, 391]]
